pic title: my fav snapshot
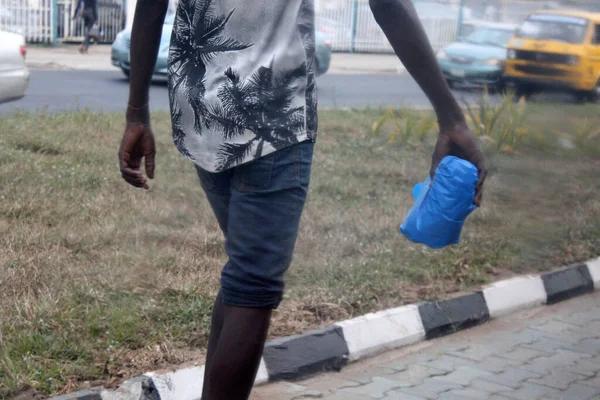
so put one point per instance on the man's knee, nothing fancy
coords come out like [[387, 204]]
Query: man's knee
[[238, 293], [250, 284]]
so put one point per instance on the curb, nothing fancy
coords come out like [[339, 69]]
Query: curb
[[331, 348]]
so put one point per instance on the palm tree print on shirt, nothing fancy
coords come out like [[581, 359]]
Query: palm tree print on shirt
[[178, 131], [197, 38], [261, 104], [306, 27]]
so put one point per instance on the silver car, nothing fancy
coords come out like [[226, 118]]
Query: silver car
[[14, 75]]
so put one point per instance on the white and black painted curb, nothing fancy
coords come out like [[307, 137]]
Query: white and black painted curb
[[331, 348]]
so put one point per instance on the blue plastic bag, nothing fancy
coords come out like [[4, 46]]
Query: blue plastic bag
[[438, 215]]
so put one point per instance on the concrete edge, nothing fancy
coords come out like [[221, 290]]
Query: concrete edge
[[568, 282], [505, 297], [306, 354], [331, 348], [594, 268], [445, 317], [374, 333], [183, 384], [88, 394]]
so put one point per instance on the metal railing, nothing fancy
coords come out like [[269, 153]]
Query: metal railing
[[49, 21], [350, 25], [32, 19], [110, 18]]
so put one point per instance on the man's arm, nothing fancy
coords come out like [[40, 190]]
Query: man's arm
[[138, 139], [145, 41], [402, 27]]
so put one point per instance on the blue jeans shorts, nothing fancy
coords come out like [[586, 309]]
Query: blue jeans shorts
[[258, 206]]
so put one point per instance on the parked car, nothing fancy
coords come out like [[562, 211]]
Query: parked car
[[14, 75], [322, 53], [479, 58], [557, 50], [120, 50], [334, 30]]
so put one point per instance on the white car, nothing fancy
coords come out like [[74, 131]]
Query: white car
[[14, 75]]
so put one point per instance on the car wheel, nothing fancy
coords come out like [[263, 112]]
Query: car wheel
[[501, 88], [525, 90], [581, 96], [125, 72], [594, 95]]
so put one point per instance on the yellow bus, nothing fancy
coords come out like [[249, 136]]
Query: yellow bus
[[556, 49]]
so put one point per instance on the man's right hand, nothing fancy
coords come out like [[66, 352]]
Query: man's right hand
[[137, 144], [138, 140]]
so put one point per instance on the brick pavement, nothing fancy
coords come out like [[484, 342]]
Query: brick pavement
[[550, 353]]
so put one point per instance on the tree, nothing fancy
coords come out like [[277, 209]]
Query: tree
[[307, 31], [178, 131]]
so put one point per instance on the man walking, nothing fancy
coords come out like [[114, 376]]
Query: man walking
[[244, 110], [88, 10]]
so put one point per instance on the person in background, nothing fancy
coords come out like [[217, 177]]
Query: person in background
[[244, 111], [88, 10]]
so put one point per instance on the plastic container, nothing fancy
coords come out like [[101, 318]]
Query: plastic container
[[442, 206]]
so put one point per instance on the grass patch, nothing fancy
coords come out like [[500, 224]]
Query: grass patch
[[100, 282]]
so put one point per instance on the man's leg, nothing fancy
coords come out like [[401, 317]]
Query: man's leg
[[88, 22], [216, 326], [218, 192], [236, 359], [267, 199]]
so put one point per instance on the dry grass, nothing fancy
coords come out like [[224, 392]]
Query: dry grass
[[99, 281]]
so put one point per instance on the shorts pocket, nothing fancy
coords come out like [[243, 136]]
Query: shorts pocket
[[255, 175], [305, 159], [207, 181]]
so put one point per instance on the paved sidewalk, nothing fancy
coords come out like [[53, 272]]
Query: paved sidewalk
[[346, 63], [68, 58], [550, 353]]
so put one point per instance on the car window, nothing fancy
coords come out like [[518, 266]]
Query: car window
[[490, 37], [554, 27], [596, 39]]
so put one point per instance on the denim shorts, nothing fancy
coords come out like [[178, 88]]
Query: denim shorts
[[258, 206]]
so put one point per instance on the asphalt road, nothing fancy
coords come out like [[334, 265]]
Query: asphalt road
[[107, 91]]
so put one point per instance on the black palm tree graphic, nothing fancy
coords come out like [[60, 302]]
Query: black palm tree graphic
[[307, 31], [178, 132], [197, 38], [262, 104]]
